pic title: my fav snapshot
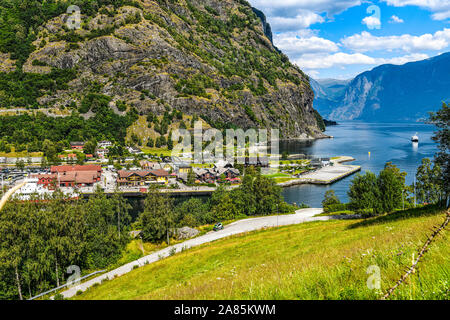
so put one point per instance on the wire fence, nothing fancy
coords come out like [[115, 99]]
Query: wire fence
[[422, 252]]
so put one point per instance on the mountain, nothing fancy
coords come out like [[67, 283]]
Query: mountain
[[209, 58], [328, 94], [391, 92]]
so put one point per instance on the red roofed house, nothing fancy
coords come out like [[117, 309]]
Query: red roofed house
[[77, 145], [49, 181], [79, 175]]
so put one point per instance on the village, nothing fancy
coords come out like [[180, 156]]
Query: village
[[139, 171]]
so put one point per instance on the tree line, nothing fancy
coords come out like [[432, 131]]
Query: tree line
[[41, 238], [370, 194]]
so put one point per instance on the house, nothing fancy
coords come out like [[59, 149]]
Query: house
[[77, 179], [206, 175], [161, 176], [77, 176], [134, 150], [257, 162], [91, 167], [137, 178], [104, 144], [74, 175], [148, 165], [223, 164], [183, 168], [77, 145], [102, 152], [228, 173], [49, 181], [68, 157]]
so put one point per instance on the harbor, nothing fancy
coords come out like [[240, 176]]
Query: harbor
[[326, 175]]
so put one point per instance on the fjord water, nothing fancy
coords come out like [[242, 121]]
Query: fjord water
[[386, 142]]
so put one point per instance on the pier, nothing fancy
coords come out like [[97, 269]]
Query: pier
[[326, 175]]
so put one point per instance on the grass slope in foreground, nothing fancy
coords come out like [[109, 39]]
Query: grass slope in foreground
[[318, 260]]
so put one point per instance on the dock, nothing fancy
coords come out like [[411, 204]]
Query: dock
[[326, 175]]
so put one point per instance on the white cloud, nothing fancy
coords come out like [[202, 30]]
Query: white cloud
[[404, 59], [303, 20], [295, 45], [313, 73], [341, 59], [440, 8], [292, 15], [395, 19], [444, 15], [330, 7], [372, 22], [408, 43], [333, 60]]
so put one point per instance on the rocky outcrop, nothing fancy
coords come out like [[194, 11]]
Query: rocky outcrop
[[209, 58], [6, 64], [186, 233], [266, 26]]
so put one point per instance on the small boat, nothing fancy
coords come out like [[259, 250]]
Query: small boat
[[415, 138]]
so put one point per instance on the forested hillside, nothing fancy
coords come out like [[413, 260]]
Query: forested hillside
[[207, 58]]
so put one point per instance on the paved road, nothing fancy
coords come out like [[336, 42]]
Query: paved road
[[9, 193], [303, 215]]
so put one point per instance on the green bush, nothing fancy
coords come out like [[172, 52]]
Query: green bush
[[335, 207], [366, 213]]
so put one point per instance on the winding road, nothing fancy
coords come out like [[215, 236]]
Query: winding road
[[242, 226]]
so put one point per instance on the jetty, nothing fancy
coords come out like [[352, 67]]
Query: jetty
[[326, 175]]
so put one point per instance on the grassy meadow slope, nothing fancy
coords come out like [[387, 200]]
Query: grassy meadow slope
[[319, 260]]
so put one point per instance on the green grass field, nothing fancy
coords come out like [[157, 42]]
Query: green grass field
[[318, 260]]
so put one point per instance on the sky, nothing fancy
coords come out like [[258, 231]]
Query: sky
[[339, 39]]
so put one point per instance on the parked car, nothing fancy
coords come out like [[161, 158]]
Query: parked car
[[218, 227]]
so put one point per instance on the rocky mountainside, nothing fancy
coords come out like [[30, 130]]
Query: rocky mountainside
[[329, 93], [391, 92], [210, 58]]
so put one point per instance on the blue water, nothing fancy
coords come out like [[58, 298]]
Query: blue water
[[387, 142]]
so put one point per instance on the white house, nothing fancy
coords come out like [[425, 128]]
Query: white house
[[104, 144]]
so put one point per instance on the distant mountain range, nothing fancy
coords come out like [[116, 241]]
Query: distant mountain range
[[386, 93]]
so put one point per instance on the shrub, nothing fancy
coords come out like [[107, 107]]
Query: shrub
[[366, 213], [335, 207]]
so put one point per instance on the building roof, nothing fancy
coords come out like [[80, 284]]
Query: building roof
[[146, 163], [84, 177], [128, 173], [88, 167], [225, 170], [123, 174], [159, 173], [183, 165], [45, 176]]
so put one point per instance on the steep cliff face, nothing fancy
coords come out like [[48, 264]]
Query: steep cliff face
[[267, 29], [397, 93], [210, 58]]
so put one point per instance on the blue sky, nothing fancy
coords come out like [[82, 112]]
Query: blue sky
[[342, 38]]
